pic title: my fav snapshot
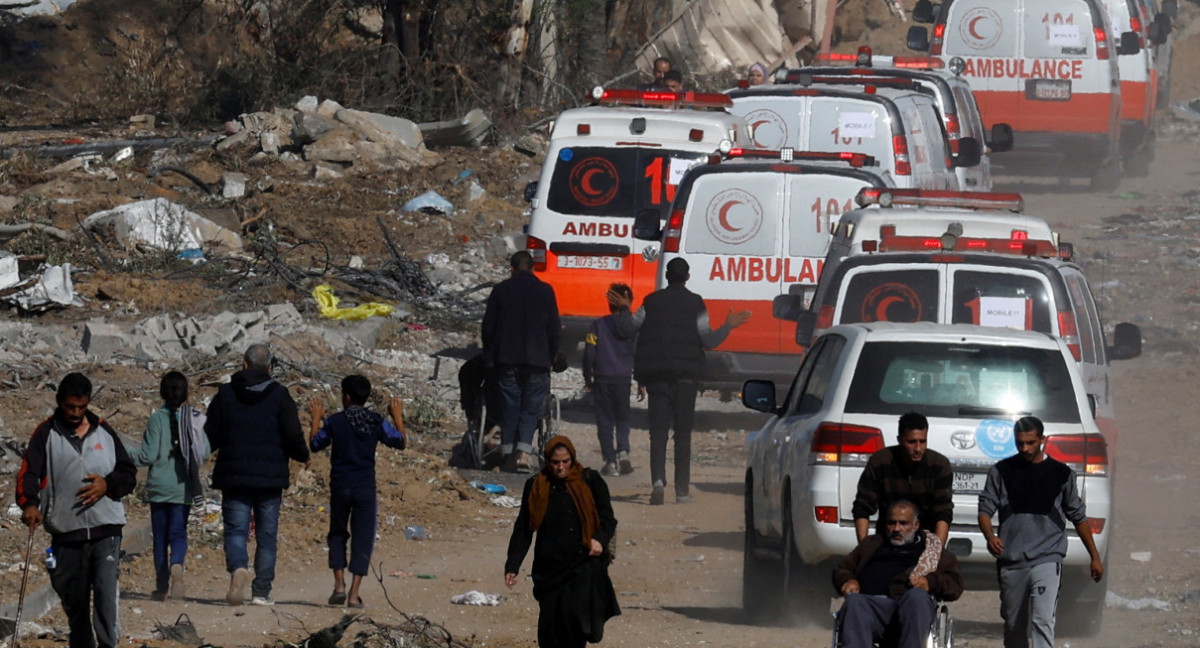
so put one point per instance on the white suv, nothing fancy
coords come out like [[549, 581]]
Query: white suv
[[972, 383]]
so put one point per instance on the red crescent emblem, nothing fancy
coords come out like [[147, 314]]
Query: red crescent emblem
[[585, 182], [724, 215], [882, 308], [971, 28]]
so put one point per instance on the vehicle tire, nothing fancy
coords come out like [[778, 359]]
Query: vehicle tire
[[758, 573], [1107, 177], [1081, 618], [802, 598], [1137, 165]]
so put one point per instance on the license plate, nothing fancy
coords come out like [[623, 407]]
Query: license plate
[[1048, 89], [969, 483], [590, 262]]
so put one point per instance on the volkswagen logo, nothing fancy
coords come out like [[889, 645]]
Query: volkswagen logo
[[963, 440], [650, 253]]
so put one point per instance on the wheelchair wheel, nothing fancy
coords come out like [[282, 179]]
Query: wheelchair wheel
[[943, 629], [549, 421]]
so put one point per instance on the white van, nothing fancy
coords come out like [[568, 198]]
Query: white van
[[956, 103], [606, 163], [1048, 68], [749, 229], [899, 126]]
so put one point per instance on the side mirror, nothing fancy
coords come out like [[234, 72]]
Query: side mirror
[[1127, 342], [1002, 138], [923, 12], [646, 225], [806, 323], [970, 152], [918, 39], [1170, 8], [759, 395], [530, 191], [787, 307], [1129, 44]]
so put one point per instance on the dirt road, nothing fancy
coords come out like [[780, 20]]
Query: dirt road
[[679, 567]]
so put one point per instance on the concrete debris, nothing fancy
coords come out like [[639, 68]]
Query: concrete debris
[[470, 130], [307, 103], [328, 171], [8, 270], [533, 145], [8, 203], [233, 185], [142, 122], [52, 290], [163, 224], [1187, 110], [1115, 601]]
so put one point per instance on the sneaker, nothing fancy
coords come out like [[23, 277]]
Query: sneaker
[[623, 462], [238, 582], [262, 600], [178, 588], [683, 499], [657, 496], [610, 469]]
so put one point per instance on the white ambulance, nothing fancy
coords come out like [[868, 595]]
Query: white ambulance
[[1048, 68], [623, 156], [896, 123], [750, 229], [956, 104]]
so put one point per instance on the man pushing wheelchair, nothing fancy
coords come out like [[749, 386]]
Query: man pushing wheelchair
[[892, 581]]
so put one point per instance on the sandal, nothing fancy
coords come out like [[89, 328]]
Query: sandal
[[337, 598], [357, 605]]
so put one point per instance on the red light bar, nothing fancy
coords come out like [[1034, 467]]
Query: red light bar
[[937, 198], [664, 99], [855, 160], [837, 57], [918, 62], [997, 246]]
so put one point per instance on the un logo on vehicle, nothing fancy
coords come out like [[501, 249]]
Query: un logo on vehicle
[[995, 438]]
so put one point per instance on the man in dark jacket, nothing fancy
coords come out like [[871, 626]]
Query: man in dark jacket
[[72, 479], [520, 332], [908, 470], [890, 581], [673, 331], [254, 428]]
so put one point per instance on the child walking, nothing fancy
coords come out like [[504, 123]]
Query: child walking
[[608, 375], [353, 434], [174, 447]]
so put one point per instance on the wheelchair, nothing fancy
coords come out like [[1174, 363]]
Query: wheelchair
[[477, 397], [941, 632]]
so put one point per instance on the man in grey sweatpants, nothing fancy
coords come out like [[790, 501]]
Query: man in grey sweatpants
[[1035, 495]]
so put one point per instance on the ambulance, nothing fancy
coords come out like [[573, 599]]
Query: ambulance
[[956, 103], [621, 157], [749, 229], [1048, 68], [896, 123]]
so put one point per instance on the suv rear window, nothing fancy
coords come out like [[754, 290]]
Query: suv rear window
[[973, 289], [891, 296], [962, 381], [616, 182]]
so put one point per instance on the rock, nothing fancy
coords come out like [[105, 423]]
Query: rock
[[329, 109], [233, 185], [382, 128], [283, 315], [336, 146], [8, 203], [533, 145], [327, 171], [310, 127], [234, 141], [141, 122], [307, 104], [101, 339], [269, 143]]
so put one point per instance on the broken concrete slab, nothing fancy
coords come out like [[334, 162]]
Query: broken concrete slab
[[233, 184], [269, 143], [335, 146], [101, 339], [163, 224], [329, 109], [311, 127], [469, 130], [382, 128], [283, 315], [236, 140]]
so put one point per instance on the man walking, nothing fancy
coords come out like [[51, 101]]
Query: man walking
[[673, 331], [520, 332], [908, 470], [72, 479], [1034, 494], [254, 428]]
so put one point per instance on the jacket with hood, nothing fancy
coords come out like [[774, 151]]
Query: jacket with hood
[[54, 467], [254, 428], [354, 433]]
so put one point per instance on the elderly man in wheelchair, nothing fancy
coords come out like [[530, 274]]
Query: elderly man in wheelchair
[[892, 581]]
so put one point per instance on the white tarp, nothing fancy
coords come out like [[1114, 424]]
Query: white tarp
[[54, 288], [163, 224]]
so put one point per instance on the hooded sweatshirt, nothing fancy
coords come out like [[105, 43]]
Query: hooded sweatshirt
[[354, 433], [254, 428]]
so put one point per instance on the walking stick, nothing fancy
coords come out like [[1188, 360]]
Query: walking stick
[[16, 643]]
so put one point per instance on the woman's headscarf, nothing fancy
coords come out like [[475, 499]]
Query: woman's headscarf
[[761, 68], [539, 493]]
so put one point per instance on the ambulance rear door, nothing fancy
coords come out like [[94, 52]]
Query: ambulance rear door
[[846, 124], [774, 119], [986, 37]]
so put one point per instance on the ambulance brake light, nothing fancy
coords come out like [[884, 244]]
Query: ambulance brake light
[[935, 43], [1101, 42], [583, 129], [1135, 25], [743, 83], [537, 249], [696, 135], [953, 132], [673, 232], [1069, 333], [900, 150], [938, 198]]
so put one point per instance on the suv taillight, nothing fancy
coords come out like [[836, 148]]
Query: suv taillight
[[1087, 454], [846, 445], [900, 149], [673, 232], [1069, 333], [537, 249]]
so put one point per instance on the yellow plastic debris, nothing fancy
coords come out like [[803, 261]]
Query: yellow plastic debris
[[327, 304]]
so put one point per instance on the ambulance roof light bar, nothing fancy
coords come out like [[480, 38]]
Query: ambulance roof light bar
[[787, 154], [934, 198], [664, 99], [883, 60], [952, 240]]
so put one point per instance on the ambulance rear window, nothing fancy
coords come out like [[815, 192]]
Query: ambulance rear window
[[617, 182], [1001, 299], [891, 296]]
